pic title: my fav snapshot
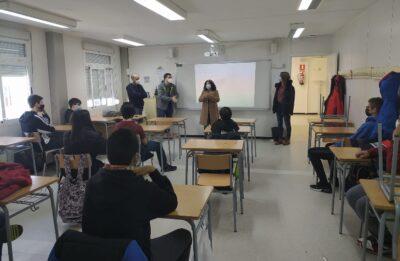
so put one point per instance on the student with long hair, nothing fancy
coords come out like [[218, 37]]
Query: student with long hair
[[209, 108], [85, 139]]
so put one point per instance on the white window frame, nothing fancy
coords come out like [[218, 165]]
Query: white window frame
[[105, 67], [13, 61]]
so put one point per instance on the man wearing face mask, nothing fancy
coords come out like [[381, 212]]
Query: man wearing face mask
[[37, 120], [209, 99], [136, 94], [167, 96], [74, 105]]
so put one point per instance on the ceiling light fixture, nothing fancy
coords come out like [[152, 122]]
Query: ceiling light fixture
[[309, 4], [296, 30], [129, 41], [165, 8], [36, 15], [208, 36]]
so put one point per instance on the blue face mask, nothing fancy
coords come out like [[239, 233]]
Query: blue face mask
[[208, 86]]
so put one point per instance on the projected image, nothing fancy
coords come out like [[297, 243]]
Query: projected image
[[235, 82]]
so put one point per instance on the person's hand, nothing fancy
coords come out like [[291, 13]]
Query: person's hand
[[347, 142], [363, 154], [143, 171], [174, 99]]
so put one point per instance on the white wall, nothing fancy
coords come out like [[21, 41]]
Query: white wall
[[368, 41], [146, 60]]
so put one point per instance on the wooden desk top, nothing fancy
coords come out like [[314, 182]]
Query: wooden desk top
[[191, 201], [37, 184], [319, 120], [214, 145], [334, 130], [242, 129], [244, 121], [101, 119], [167, 120], [63, 128], [347, 154], [156, 128], [10, 141], [375, 195]]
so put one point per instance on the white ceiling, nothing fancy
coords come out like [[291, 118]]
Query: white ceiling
[[232, 20]]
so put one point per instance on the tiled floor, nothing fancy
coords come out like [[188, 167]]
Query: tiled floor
[[283, 219]]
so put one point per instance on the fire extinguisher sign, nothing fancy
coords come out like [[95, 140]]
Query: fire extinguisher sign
[[302, 73]]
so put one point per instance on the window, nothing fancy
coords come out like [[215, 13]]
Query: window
[[15, 86], [99, 80]]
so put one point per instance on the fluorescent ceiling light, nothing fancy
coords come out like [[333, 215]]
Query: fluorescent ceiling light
[[205, 38], [309, 4], [298, 32], [129, 41], [35, 15], [164, 8]]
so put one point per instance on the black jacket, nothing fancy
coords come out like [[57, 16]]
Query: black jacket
[[119, 204], [225, 129], [67, 116], [136, 94], [91, 142], [288, 102], [30, 122]]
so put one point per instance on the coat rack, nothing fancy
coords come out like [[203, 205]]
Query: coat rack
[[375, 73]]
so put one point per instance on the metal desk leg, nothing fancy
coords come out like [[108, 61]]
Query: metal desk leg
[[343, 177], [333, 182], [180, 141], [365, 232], [309, 136], [395, 234], [169, 151], [194, 231], [193, 170], [252, 145], [184, 130], [53, 209], [187, 167], [33, 159], [381, 236], [248, 158], [8, 232], [241, 178], [161, 154], [209, 224], [255, 139]]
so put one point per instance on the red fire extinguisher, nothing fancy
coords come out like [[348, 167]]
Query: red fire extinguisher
[[301, 76]]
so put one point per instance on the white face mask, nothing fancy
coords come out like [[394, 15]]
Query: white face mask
[[169, 80], [208, 86]]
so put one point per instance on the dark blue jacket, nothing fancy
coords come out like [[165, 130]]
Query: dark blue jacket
[[136, 94], [288, 101]]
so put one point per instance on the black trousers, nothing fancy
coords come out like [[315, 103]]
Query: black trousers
[[281, 116], [316, 155], [174, 246]]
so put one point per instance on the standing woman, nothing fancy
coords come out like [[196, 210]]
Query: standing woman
[[283, 107], [209, 98]]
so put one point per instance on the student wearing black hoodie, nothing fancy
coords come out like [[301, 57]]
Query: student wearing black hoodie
[[120, 202], [225, 128], [74, 105], [37, 120]]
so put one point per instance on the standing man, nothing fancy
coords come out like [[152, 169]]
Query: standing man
[[136, 94], [167, 95]]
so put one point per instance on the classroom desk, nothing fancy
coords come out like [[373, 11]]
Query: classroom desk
[[381, 207], [7, 142], [244, 131], [224, 146], [345, 157], [109, 121], [160, 131], [322, 132], [179, 122], [313, 122], [30, 197], [63, 127], [192, 202], [252, 124]]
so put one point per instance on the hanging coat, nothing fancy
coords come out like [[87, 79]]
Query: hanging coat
[[334, 104], [209, 107]]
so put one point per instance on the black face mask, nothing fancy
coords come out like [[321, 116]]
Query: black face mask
[[41, 107], [367, 112]]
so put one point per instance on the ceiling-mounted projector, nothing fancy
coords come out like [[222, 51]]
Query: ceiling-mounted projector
[[214, 51]]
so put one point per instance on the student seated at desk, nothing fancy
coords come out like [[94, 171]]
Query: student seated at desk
[[316, 155], [225, 128], [74, 105], [37, 120], [146, 147], [120, 203], [84, 139], [358, 199]]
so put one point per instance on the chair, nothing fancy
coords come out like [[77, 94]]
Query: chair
[[140, 162], [224, 182], [38, 141], [61, 169]]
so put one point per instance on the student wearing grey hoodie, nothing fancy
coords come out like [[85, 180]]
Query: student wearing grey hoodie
[[167, 95]]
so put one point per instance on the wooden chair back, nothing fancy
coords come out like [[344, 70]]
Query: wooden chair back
[[214, 162]]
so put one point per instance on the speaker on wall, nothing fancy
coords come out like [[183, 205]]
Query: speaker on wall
[[172, 52]]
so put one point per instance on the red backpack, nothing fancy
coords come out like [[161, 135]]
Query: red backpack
[[13, 177]]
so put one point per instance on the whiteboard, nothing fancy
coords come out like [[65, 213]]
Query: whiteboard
[[185, 80]]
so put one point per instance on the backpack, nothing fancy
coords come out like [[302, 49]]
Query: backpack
[[356, 173], [13, 177], [25, 159], [72, 191]]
